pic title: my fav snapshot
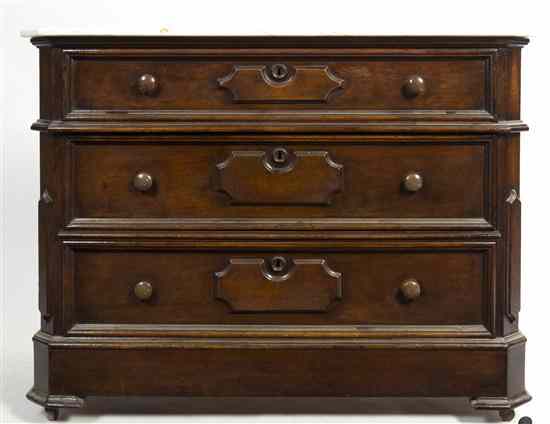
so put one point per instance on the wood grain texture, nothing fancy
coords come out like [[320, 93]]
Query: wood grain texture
[[108, 81], [279, 176], [457, 286], [298, 285], [279, 216], [348, 181], [297, 84], [280, 372]]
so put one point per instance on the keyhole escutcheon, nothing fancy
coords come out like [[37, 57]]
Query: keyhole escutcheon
[[278, 263], [279, 71], [279, 155]]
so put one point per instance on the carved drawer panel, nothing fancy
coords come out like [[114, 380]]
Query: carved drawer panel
[[297, 285], [280, 176], [179, 85], [222, 183], [376, 286]]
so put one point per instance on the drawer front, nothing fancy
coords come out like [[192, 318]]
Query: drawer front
[[393, 287], [289, 181], [452, 85], [281, 372]]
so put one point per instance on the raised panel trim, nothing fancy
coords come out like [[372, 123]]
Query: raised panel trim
[[243, 82], [270, 170], [277, 284]]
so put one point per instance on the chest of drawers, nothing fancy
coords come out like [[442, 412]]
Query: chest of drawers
[[279, 216]]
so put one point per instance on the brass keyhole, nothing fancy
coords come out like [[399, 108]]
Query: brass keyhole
[[279, 71], [279, 155], [278, 263]]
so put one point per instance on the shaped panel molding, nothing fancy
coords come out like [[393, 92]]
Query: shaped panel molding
[[279, 177], [278, 284], [280, 83], [512, 287]]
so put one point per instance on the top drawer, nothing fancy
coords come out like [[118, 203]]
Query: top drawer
[[327, 85]]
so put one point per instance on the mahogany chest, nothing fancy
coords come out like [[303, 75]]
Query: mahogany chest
[[279, 216]]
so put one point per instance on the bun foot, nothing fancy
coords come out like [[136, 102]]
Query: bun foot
[[52, 413], [507, 414]]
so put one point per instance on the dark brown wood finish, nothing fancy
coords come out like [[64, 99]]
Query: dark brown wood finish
[[279, 216], [350, 288], [201, 180], [111, 81], [278, 284], [280, 83]]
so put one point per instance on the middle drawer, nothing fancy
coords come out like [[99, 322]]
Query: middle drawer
[[345, 182]]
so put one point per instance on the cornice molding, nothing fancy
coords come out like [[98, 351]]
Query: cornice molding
[[267, 41]]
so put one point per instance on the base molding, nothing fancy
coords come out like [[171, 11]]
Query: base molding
[[55, 401], [499, 403]]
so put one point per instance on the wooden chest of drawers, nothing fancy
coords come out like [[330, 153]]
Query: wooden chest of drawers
[[279, 216]]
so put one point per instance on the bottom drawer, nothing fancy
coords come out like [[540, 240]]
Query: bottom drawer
[[398, 286]]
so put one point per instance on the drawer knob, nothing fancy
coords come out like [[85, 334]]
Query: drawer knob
[[143, 181], [410, 289], [413, 182], [147, 85], [414, 86], [143, 290]]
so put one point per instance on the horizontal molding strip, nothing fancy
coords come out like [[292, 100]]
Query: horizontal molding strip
[[279, 235], [326, 114], [290, 331], [61, 342], [300, 224], [273, 245], [68, 127], [290, 139]]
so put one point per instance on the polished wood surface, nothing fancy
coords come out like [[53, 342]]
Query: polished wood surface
[[303, 372], [348, 288], [448, 82], [280, 83], [278, 285], [280, 176], [338, 180], [279, 216]]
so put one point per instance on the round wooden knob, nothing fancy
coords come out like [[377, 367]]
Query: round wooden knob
[[413, 182], [414, 86], [410, 289], [143, 290], [147, 85], [143, 181]]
